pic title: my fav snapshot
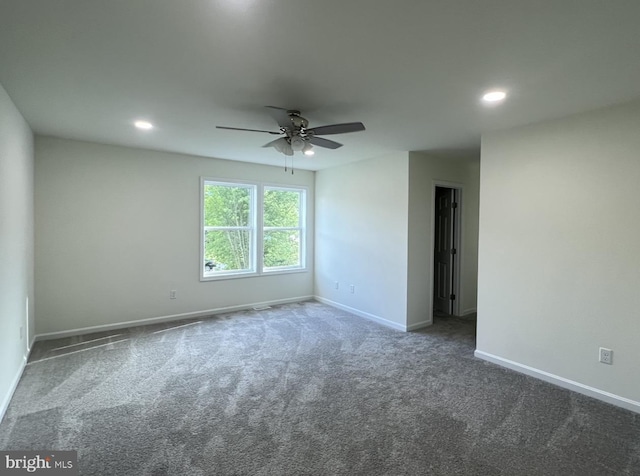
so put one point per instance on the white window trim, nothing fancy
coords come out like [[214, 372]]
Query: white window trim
[[301, 228], [257, 251], [253, 228]]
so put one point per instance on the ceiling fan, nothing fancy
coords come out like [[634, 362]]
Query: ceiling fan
[[297, 135]]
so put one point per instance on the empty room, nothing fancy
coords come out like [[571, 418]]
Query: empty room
[[260, 237]]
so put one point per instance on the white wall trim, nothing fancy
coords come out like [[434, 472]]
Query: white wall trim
[[170, 318], [419, 325], [466, 312], [593, 392], [14, 384], [366, 315]]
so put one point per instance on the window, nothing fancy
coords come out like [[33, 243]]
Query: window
[[231, 215], [283, 228], [228, 228]]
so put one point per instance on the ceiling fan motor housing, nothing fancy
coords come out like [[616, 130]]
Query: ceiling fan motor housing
[[297, 120]]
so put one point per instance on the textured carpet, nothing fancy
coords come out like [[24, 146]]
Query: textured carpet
[[306, 389]]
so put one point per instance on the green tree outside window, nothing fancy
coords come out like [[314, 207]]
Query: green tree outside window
[[282, 228], [229, 233], [228, 227]]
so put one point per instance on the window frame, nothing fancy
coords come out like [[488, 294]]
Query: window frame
[[257, 229], [252, 228], [301, 228]]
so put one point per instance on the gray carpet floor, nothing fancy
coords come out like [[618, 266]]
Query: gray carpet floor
[[305, 389]]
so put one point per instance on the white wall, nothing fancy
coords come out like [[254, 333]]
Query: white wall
[[16, 245], [559, 268], [117, 228], [361, 237], [425, 171], [374, 229]]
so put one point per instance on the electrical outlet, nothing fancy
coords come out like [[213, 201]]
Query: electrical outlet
[[606, 356], [336, 285], [352, 289], [172, 294]]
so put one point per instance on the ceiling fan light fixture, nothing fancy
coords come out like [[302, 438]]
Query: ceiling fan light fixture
[[297, 143], [283, 147], [308, 150]]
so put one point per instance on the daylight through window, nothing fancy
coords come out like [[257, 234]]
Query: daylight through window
[[283, 228], [229, 228], [231, 214]]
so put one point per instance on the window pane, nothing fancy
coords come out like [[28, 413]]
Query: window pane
[[226, 205], [281, 248], [281, 208], [227, 250]]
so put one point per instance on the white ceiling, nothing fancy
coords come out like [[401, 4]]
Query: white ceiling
[[411, 71]]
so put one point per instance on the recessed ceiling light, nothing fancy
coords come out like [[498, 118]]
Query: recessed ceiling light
[[143, 125], [494, 96]]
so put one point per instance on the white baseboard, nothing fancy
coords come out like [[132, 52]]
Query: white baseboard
[[419, 325], [12, 388], [466, 312], [366, 315], [161, 319], [593, 392]]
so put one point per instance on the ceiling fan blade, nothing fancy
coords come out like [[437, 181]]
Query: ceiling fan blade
[[326, 143], [281, 116], [337, 128], [250, 130]]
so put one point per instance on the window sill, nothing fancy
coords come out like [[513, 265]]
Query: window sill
[[219, 277], [253, 274], [284, 271]]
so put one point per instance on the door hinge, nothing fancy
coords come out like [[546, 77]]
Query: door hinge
[[452, 297], [454, 205], [453, 251]]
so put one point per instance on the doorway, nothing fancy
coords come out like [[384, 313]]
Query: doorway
[[445, 250]]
